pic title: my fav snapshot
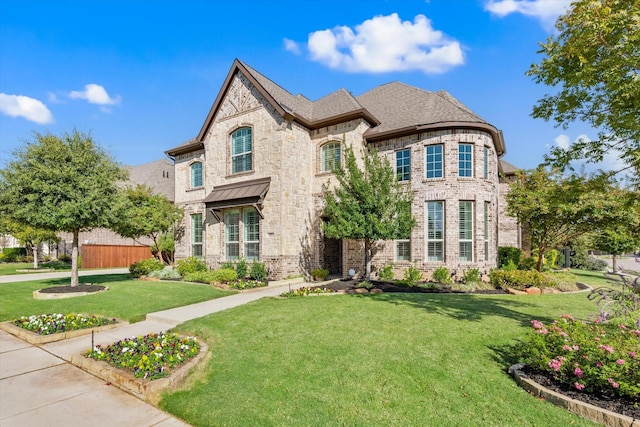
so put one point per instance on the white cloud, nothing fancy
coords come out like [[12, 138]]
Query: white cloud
[[546, 11], [95, 94], [25, 107], [563, 141], [610, 162], [384, 44], [291, 46]]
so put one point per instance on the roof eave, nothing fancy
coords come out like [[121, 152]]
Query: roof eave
[[361, 113], [184, 149]]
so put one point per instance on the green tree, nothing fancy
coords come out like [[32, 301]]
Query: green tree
[[622, 235], [595, 60], [144, 214], [368, 205], [30, 237], [556, 209], [65, 183]]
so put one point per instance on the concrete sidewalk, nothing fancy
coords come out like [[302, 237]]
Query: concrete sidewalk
[[39, 387]]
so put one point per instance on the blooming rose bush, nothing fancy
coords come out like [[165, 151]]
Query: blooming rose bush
[[592, 357], [149, 356], [47, 324]]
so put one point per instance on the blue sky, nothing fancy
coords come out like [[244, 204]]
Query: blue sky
[[141, 75]]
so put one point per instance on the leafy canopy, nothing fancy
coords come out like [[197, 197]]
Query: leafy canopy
[[595, 61], [368, 204]]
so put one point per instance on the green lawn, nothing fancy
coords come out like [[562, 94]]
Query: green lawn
[[126, 298], [374, 360], [7, 268]]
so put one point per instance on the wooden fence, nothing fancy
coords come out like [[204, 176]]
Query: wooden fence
[[110, 256]]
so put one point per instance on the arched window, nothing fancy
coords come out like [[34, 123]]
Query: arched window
[[330, 157], [196, 174], [241, 150]]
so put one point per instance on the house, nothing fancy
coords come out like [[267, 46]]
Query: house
[[251, 181]]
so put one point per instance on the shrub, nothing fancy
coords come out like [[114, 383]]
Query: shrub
[[14, 254], [65, 258], [364, 285], [167, 273], [191, 265], [510, 266], [564, 280], [528, 263], [241, 268], [145, 266], [441, 275], [589, 263], [320, 273], [224, 275], [200, 276], [619, 304], [591, 357], [412, 275], [386, 273], [519, 279], [549, 259], [471, 275], [246, 284], [306, 291], [228, 265], [508, 254], [258, 271]]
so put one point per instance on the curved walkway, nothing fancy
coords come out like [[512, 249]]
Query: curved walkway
[[39, 387]]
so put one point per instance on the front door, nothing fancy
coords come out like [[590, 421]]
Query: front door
[[332, 256]]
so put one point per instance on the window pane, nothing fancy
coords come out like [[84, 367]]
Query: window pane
[[403, 165], [403, 251], [330, 156], [196, 175], [435, 231], [466, 231], [465, 160], [486, 163], [196, 235], [434, 161], [232, 234], [251, 234], [241, 151]]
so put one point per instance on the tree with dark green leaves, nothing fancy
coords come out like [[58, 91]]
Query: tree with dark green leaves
[[144, 214], [594, 60], [61, 183], [28, 236], [622, 235], [556, 209], [367, 204]]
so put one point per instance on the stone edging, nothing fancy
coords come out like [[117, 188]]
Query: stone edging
[[35, 339], [586, 410], [149, 391], [52, 295]]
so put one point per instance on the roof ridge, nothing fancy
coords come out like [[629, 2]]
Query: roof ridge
[[456, 103]]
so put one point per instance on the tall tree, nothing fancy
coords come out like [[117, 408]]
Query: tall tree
[[556, 209], [595, 60], [622, 234], [368, 204], [146, 214], [65, 183]]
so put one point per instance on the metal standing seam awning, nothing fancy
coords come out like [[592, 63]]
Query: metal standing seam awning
[[245, 193]]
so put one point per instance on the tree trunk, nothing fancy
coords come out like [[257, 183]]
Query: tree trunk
[[367, 259], [540, 259], [160, 257], [35, 256], [74, 259], [614, 261]]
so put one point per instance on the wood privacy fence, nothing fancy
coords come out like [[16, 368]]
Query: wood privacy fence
[[109, 256]]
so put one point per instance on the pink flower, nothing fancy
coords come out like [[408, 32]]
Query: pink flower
[[537, 324], [563, 334], [632, 354], [620, 362], [576, 347], [542, 331], [597, 339], [621, 326], [567, 316], [566, 348], [613, 383], [607, 348], [578, 372], [578, 386], [599, 365], [555, 364]]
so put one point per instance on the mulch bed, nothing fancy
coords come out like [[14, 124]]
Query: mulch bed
[[613, 404], [68, 289], [350, 286]]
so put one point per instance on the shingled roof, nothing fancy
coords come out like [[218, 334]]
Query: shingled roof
[[393, 109]]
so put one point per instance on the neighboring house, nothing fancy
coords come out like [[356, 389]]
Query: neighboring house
[[251, 181], [159, 176]]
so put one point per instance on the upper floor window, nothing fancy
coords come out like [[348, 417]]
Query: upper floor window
[[196, 174], [465, 160], [241, 151], [330, 157], [403, 165], [486, 163], [434, 161]]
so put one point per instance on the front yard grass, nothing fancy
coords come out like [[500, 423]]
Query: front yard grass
[[384, 359], [126, 299], [9, 268]]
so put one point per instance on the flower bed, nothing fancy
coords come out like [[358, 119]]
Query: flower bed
[[242, 284], [47, 324], [306, 291], [150, 356], [590, 357]]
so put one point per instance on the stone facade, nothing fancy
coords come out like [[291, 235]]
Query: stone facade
[[287, 138]]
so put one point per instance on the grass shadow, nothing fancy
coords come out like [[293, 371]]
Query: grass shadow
[[98, 279]]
